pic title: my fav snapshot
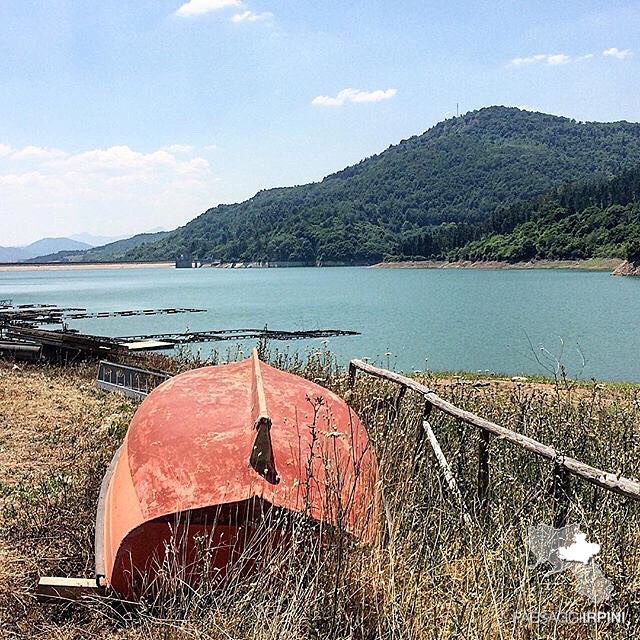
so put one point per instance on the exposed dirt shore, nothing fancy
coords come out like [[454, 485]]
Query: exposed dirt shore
[[63, 266], [593, 264]]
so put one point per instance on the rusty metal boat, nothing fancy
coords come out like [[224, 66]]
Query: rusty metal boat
[[210, 454]]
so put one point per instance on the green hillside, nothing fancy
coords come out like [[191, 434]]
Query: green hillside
[[436, 187], [597, 219]]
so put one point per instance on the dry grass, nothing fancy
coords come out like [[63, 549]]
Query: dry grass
[[433, 577], [57, 433]]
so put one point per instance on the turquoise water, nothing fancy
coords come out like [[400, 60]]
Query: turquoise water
[[497, 321]]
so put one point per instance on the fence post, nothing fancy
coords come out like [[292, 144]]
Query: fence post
[[352, 374], [395, 411], [461, 457], [483, 472], [560, 491], [421, 435], [398, 399]]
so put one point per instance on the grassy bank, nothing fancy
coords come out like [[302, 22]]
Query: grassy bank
[[433, 577]]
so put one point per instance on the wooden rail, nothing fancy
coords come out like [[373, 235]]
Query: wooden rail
[[610, 481]]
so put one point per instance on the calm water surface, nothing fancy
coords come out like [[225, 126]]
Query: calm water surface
[[498, 321]]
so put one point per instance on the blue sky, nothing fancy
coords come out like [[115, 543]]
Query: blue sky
[[117, 117]]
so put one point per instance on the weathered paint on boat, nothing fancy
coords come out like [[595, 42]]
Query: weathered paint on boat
[[216, 451]]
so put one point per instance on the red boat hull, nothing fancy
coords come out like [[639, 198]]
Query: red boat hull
[[213, 450]]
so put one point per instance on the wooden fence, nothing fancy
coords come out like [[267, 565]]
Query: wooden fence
[[564, 466]]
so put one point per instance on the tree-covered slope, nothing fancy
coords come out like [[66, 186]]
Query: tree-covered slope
[[439, 185], [600, 218]]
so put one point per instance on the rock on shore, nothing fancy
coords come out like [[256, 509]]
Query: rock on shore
[[628, 269]]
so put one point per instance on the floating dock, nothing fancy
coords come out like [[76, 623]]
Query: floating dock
[[23, 336]]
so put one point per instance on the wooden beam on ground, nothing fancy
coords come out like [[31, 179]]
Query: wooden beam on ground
[[610, 481], [55, 589], [446, 469]]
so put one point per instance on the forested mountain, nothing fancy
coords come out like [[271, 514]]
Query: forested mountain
[[423, 196], [600, 218]]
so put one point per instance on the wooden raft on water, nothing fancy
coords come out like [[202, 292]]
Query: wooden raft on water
[[21, 329]]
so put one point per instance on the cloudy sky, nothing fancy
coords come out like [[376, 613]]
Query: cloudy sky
[[121, 116]]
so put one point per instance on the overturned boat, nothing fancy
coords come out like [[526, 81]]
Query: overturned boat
[[215, 453]]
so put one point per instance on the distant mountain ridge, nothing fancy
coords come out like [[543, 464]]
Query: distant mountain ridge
[[441, 185], [111, 252], [96, 241], [40, 247]]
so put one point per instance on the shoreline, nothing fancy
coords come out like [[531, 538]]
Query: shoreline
[[67, 266], [591, 264]]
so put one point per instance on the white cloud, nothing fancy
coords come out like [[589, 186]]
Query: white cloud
[[200, 7], [529, 59], [553, 59], [614, 52], [179, 148], [250, 16], [21, 179], [354, 95], [558, 58], [32, 152], [103, 191], [117, 158]]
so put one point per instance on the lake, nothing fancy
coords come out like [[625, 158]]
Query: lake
[[503, 321]]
